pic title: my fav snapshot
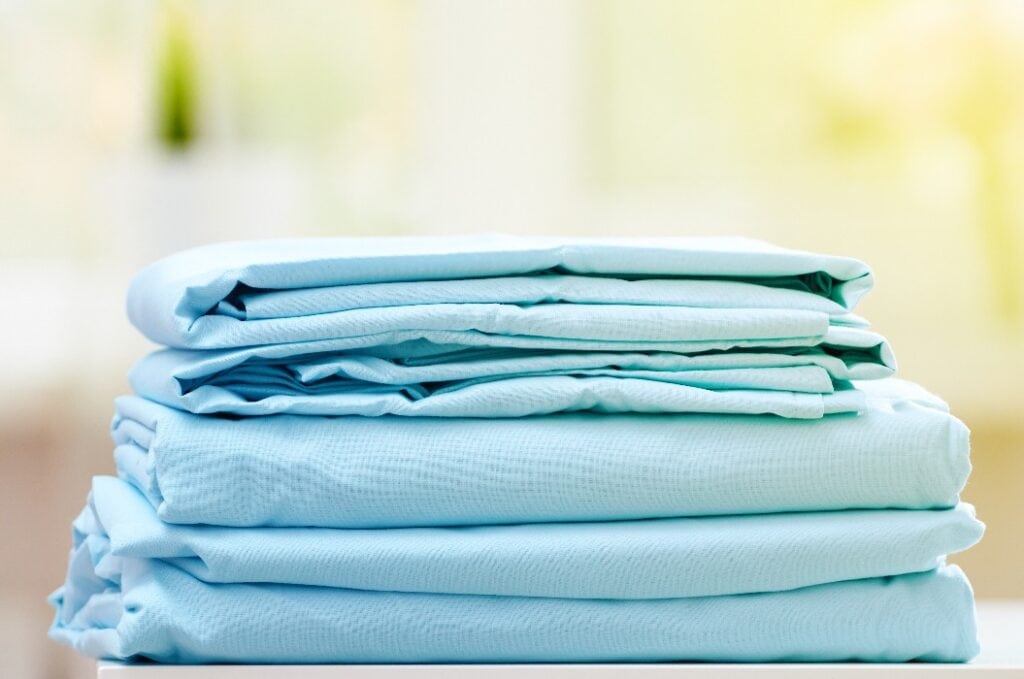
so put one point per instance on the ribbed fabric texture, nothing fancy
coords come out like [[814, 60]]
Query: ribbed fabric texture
[[496, 449]]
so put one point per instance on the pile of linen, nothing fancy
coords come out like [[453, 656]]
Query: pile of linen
[[496, 449]]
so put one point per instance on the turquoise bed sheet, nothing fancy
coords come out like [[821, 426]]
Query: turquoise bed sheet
[[903, 451], [259, 328], [463, 381], [585, 294], [648, 559], [148, 608]]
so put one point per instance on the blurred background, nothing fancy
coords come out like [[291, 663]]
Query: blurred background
[[892, 131]]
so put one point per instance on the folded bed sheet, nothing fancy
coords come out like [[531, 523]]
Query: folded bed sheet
[[462, 381], [332, 327], [903, 451], [647, 559], [149, 608], [589, 294]]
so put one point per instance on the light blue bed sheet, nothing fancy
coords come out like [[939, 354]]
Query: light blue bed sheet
[[903, 451], [582, 294], [148, 608], [647, 559], [463, 381]]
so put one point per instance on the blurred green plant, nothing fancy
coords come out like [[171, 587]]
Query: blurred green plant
[[176, 82]]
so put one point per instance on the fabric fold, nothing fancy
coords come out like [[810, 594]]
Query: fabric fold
[[556, 313], [150, 608], [201, 298], [904, 451], [265, 380], [650, 559]]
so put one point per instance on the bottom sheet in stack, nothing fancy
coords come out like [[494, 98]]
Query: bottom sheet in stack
[[863, 584]]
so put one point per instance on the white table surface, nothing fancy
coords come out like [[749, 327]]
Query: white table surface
[[1000, 629]]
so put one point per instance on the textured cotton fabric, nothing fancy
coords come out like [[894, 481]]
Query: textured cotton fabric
[[270, 292], [461, 381], [150, 608], [499, 449], [329, 327], [651, 559], [903, 451]]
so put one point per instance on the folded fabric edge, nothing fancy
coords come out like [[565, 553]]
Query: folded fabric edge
[[166, 298], [931, 614], [125, 524]]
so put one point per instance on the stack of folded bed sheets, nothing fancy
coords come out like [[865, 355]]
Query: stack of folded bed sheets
[[497, 449]]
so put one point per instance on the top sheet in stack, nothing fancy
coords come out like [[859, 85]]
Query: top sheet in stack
[[505, 327]]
